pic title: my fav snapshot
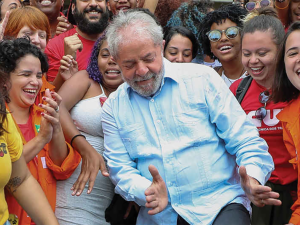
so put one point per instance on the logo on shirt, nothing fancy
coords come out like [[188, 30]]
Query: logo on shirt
[[3, 149], [37, 127]]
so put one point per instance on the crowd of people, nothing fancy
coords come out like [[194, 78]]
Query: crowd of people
[[149, 112]]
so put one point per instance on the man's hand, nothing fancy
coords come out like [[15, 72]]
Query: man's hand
[[72, 44], [92, 162], [156, 194], [63, 25], [258, 194], [68, 67]]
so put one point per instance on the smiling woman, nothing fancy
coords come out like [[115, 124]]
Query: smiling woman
[[83, 95], [221, 40], [31, 22]]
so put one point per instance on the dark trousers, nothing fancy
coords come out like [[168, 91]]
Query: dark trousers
[[276, 215], [232, 214]]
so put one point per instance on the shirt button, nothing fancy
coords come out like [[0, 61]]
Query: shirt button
[[170, 184], [158, 121], [152, 100], [176, 204]]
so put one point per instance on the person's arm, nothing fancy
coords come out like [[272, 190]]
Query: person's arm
[[72, 91], [130, 184], [282, 11], [241, 139], [29, 194], [151, 5]]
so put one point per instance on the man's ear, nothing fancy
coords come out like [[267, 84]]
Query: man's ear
[[163, 44]]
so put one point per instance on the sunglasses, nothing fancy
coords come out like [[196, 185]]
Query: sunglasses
[[251, 5], [230, 33], [263, 98]]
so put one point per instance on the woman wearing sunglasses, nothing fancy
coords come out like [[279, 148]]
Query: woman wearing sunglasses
[[261, 38], [250, 5], [286, 88], [221, 40]]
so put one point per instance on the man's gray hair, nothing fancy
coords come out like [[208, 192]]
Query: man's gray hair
[[133, 24]]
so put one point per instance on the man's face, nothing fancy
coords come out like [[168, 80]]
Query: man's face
[[50, 7], [90, 16], [141, 63], [116, 6], [8, 5]]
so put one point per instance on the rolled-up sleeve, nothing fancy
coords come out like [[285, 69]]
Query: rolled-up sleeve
[[68, 166], [122, 169]]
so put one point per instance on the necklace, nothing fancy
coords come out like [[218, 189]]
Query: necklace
[[232, 80]]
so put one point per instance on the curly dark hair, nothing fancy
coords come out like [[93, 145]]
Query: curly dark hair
[[283, 90], [233, 12], [2, 102], [93, 68], [168, 35], [11, 51], [190, 15]]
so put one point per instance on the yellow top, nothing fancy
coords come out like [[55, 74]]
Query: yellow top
[[11, 147]]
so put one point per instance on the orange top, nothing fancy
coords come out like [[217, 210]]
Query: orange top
[[290, 117], [45, 171]]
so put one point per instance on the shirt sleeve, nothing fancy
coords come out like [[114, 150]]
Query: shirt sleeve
[[122, 169], [53, 52], [240, 135], [14, 141], [68, 166]]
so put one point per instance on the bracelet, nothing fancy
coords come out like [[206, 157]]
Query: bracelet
[[77, 135], [282, 7]]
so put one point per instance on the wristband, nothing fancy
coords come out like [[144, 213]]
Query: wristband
[[77, 135], [281, 7]]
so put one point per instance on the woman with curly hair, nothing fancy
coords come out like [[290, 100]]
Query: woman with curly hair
[[14, 173], [221, 39], [83, 96], [48, 156]]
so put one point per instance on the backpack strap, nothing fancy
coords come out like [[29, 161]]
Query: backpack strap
[[242, 88]]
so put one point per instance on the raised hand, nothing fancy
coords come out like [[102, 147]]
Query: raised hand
[[63, 25], [72, 44], [156, 194], [258, 194], [68, 67]]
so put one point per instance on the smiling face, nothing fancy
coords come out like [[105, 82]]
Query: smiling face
[[179, 49], [295, 10], [259, 56], [50, 7], [25, 81], [8, 5], [141, 63], [90, 15], [37, 37], [108, 67], [292, 58], [225, 49], [124, 5]]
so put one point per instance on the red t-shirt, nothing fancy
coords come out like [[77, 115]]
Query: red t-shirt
[[55, 51], [270, 129]]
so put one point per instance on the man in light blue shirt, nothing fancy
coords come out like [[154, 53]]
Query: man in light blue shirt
[[176, 140]]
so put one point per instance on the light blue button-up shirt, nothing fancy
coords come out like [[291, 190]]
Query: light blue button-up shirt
[[195, 133]]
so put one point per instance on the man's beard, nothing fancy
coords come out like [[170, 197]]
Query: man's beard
[[148, 89], [87, 26]]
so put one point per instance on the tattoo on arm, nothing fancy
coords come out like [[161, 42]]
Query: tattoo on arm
[[13, 184]]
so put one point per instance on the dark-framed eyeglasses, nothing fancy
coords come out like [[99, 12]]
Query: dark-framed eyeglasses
[[251, 5], [263, 98], [230, 33]]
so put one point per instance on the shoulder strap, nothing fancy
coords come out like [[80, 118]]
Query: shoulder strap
[[242, 88]]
